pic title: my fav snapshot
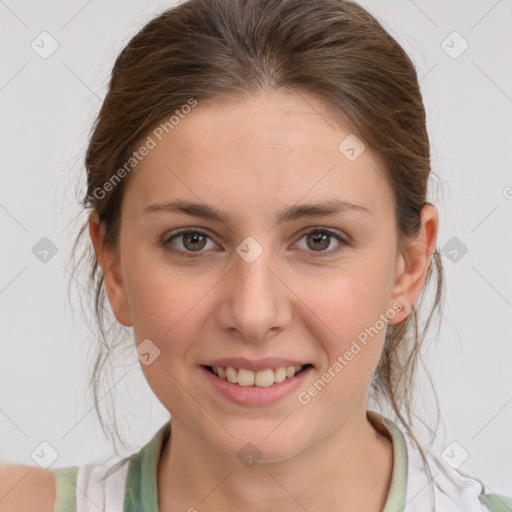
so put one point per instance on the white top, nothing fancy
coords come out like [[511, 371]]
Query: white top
[[415, 487]]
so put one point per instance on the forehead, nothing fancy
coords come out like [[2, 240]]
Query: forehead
[[255, 152]]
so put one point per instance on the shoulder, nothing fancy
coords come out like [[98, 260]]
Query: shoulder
[[101, 487], [25, 487], [467, 491], [433, 483], [456, 489]]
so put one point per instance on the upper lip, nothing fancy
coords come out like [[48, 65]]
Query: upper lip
[[254, 364]]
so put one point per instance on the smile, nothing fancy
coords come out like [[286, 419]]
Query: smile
[[262, 378]]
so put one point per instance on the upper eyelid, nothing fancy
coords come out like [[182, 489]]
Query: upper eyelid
[[183, 231]]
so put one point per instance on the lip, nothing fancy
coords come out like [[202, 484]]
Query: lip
[[253, 395], [254, 364]]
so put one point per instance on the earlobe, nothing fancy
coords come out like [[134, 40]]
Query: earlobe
[[109, 263], [414, 263]]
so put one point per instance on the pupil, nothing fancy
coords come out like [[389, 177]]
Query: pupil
[[319, 237], [195, 239]]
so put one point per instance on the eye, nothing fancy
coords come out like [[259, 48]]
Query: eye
[[191, 240], [320, 238], [194, 241]]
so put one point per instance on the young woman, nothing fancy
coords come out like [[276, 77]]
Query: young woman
[[257, 187]]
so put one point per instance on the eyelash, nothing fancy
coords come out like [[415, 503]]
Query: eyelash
[[311, 254]]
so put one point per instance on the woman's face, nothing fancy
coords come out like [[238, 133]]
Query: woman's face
[[251, 283]]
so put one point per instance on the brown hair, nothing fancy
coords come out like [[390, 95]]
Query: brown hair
[[333, 50]]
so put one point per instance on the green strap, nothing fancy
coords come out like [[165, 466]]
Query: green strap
[[395, 501], [141, 480], [496, 502], [65, 481]]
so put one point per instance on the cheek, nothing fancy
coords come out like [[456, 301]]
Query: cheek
[[165, 309], [169, 307], [346, 301], [347, 314]]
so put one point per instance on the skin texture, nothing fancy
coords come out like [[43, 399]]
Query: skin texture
[[253, 158]]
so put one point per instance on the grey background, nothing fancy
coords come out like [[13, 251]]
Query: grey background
[[47, 109]]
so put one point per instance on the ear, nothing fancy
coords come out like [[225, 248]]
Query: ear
[[109, 263], [413, 263]]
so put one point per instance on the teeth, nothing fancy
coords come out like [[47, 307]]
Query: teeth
[[279, 374], [264, 378], [231, 375], [245, 377], [261, 378]]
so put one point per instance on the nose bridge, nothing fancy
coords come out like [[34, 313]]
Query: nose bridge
[[255, 302]]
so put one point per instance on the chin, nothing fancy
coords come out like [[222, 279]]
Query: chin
[[255, 445]]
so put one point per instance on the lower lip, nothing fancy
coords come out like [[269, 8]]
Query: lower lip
[[253, 395]]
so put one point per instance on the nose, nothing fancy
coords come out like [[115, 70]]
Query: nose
[[255, 303]]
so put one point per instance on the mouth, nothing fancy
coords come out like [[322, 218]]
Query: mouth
[[244, 377]]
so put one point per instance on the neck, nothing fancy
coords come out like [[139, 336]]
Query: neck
[[333, 475]]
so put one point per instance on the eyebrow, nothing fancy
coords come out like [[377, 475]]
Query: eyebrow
[[204, 211]]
